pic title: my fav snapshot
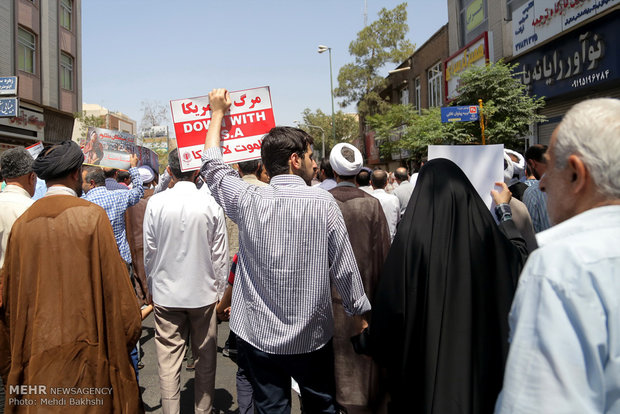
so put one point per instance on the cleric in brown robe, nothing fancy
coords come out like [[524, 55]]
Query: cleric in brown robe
[[359, 387], [69, 315]]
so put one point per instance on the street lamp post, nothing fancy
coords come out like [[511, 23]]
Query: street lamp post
[[322, 49], [322, 136]]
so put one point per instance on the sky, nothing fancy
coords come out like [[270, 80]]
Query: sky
[[157, 51]]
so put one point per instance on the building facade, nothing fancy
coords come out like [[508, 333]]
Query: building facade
[[418, 81], [564, 50], [110, 120], [41, 45]]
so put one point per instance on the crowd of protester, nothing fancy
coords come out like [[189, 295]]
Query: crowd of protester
[[368, 291]]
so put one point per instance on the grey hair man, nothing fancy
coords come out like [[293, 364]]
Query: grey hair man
[[16, 168], [565, 324]]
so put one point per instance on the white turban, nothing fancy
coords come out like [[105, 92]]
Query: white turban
[[146, 173], [509, 171], [341, 165], [519, 167]]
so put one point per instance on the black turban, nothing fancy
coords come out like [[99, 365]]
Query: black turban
[[58, 161]]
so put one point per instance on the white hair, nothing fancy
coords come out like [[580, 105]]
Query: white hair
[[591, 129]]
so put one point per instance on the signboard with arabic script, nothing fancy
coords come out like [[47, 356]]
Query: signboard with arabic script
[[476, 53], [9, 107], [8, 85], [539, 20], [474, 15], [584, 58], [459, 113], [249, 118]]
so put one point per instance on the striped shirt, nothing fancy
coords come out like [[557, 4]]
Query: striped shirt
[[536, 203], [293, 244], [115, 203]]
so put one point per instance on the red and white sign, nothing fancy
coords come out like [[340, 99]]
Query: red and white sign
[[249, 118]]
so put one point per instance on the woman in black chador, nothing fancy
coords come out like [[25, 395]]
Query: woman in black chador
[[440, 314]]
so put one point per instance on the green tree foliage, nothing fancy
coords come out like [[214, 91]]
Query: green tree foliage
[[508, 109], [347, 128], [508, 112], [381, 42], [86, 121], [402, 128]]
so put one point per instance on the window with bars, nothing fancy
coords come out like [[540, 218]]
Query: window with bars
[[418, 102], [26, 50], [434, 85], [66, 8], [404, 95], [66, 71]]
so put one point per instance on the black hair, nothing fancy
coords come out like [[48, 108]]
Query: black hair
[[175, 166], [122, 176], [537, 153], [363, 178], [110, 172], [400, 175], [249, 167], [327, 167], [279, 144]]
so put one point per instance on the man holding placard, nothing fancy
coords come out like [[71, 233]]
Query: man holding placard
[[293, 245]]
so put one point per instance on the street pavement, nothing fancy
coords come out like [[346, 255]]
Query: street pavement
[[225, 389]]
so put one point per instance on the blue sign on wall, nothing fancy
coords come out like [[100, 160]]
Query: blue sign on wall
[[9, 107], [583, 59], [8, 85], [459, 113]]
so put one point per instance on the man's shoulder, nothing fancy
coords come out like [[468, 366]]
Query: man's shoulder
[[59, 205]]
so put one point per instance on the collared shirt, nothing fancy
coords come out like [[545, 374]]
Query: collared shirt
[[391, 208], [565, 321], [366, 188], [115, 203], [293, 244], [536, 203], [111, 184], [58, 189], [327, 184], [14, 200], [185, 247], [403, 192]]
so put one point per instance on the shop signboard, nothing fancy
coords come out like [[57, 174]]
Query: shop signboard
[[539, 20], [476, 53], [583, 58]]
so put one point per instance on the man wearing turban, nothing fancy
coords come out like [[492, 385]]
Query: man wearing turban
[[69, 315]]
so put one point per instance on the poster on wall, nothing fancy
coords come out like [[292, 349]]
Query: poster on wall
[[249, 118]]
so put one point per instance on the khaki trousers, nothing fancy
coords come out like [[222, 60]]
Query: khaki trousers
[[172, 326]]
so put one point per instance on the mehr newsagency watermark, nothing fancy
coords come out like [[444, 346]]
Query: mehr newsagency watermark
[[42, 395]]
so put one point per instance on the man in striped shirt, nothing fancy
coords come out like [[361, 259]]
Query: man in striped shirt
[[293, 244]]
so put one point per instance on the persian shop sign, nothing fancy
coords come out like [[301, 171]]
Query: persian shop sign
[[475, 15], [476, 53], [539, 20], [583, 58]]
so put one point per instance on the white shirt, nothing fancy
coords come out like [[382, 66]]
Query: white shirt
[[14, 200], [565, 321], [185, 247], [391, 208]]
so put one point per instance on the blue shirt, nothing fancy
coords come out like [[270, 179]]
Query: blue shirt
[[111, 184], [536, 203], [115, 203], [565, 321], [293, 245]]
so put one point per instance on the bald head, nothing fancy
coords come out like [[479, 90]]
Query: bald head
[[401, 174], [378, 179]]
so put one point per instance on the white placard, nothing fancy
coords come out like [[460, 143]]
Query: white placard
[[482, 164]]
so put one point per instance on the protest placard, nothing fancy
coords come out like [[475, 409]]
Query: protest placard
[[35, 149], [111, 148], [482, 164], [249, 118]]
